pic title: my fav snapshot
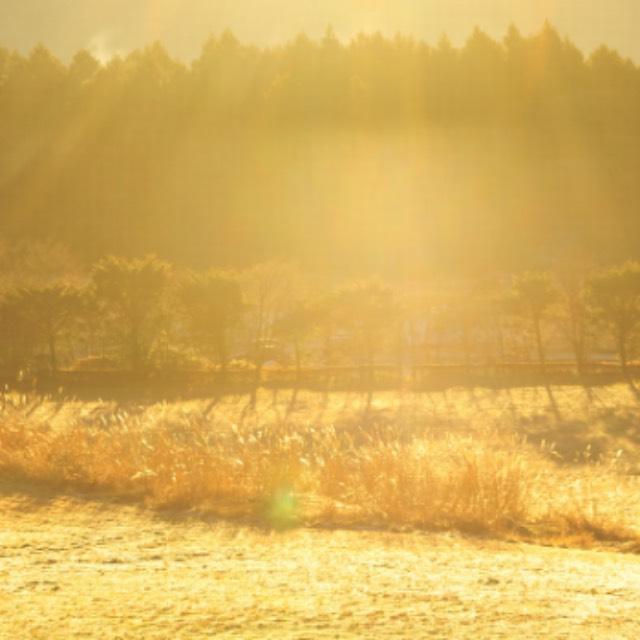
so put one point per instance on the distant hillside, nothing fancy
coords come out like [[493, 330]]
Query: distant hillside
[[379, 155]]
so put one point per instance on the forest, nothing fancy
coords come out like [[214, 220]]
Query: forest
[[385, 156]]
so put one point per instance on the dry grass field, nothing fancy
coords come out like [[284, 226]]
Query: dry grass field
[[534, 463], [422, 515]]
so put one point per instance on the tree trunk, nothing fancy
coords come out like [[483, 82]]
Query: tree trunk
[[502, 356], [298, 359], [256, 383], [578, 352], [622, 351], [135, 348], [328, 346], [400, 356], [53, 355], [466, 346], [370, 378], [223, 358], [539, 344]]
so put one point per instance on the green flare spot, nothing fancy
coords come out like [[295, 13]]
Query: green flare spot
[[282, 509]]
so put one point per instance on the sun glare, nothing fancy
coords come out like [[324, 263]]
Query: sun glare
[[319, 319]]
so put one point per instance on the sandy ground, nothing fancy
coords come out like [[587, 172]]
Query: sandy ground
[[71, 568]]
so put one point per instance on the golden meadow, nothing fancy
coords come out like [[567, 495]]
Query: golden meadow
[[396, 283]]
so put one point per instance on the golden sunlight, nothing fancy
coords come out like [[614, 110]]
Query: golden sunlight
[[319, 319]]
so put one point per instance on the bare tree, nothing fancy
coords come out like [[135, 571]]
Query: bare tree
[[213, 304], [615, 296], [531, 298], [366, 312], [575, 315], [269, 290], [45, 312]]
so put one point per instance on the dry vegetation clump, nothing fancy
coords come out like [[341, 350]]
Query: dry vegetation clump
[[452, 482], [167, 464], [407, 462]]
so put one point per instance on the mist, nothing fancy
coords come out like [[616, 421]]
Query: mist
[[182, 25]]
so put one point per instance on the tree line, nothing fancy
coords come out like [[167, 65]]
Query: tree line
[[145, 314], [145, 153], [369, 78]]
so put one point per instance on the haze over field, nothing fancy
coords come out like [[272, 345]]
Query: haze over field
[[122, 25], [308, 308], [381, 155]]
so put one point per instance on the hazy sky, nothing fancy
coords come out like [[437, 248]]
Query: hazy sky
[[108, 26]]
